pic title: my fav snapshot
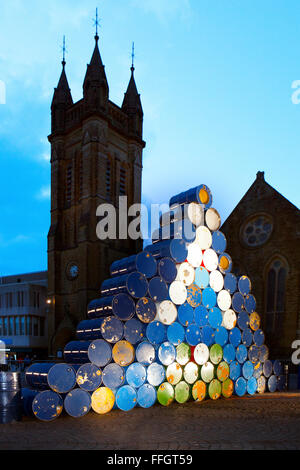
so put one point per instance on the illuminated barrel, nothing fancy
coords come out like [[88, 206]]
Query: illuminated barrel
[[165, 394], [272, 383], [123, 353], [218, 242], [156, 374], [61, 378], [215, 317], [235, 370], [225, 263], [230, 283], [235, 336], [224, 300], [156, 332], [200, 194], [201, 277], [183, 353], [258, 337], [247, 337], [175, 333], [100, 352], [207, 335], [201, 354], [253, 353], [194, 255], [143, 262], [182, 392], [177, 292], [193, 334], [215, 354], [76, 352], [167, 312], [254, 321], [174, 373], [210, 260], [136, 375], [261, 384], [145, 353], [203, 237], [134, 284], [166, 353], [267, 368], [103, 400], [221, 336], [11, 408], [223, 371], [77, 403], [134, 330], [199, 390], [113, 376], [240, 386], [209, 297], [126, 398], [257, 369], [251, 385], [216, 280], [112, 329], [194, 295], [191, 372], [229, 319], [193, 211], [47, 405], [207, 372], [214, 389], [89, 377], [212, 219], [185, 314], [241, 353], [27, 397], [146, 309], [36, 375], [180, 229], [227, 388], [146, 395], [277, 367], [158, 289], [244, 285], [88, 330], [167, 269], [229, 353], [247, 370], [175, 249]]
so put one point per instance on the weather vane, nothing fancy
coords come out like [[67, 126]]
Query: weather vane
[[96, 23], [132, 57], [64, 50]]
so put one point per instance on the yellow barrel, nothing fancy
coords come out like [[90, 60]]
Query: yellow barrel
[[103, 400], [254, 321], [199, 390], [123, 353]]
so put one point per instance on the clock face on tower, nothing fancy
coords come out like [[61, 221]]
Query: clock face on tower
[[72, 271]]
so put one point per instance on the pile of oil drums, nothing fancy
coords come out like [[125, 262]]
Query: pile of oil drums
[[172, 324]]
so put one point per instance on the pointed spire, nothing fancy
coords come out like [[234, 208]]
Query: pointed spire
[[62, 93], [131, 102]]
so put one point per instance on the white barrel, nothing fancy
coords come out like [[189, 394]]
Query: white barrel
[[207, 372], [185, 273], [216, 280], [229, 319], [194, 256], [195, 213], [210, 259], [174, 373], [212, 219], [191, 372], [201, 354], [224, 300], [167, 312], [203, 237], [177, 292]]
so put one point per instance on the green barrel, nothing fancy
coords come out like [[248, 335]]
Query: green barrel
[[182, 392], [165, 394], [207, 372], [227, 388], [214, 389], [191, 372], [174, 373], [223, 371], [199, 390], [183, 353], [216, 354]]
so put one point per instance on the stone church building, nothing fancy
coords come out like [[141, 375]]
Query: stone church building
[[96, 156], [263, 239]]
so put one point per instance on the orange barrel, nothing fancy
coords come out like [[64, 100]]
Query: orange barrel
[[182, 392], [103, 400], [227, 388], [254, 321], [223, 371], [200, 194], [165, 394], [194, 295], [225, 263], [199, 390], [214, 389], [123, 353]]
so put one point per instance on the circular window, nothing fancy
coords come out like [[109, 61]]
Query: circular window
[[257, 230]]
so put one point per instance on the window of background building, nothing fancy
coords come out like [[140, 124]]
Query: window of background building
[[11, 325], [1, 326], [5, 326], [275, 297], [17, 326], [122, 182], [42, 326], [22, 326], [35, 322], [29, 325]]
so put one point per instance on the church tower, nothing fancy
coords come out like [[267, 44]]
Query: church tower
[[96, 156]]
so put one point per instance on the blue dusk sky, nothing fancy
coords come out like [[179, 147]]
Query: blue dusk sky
[[216, 80]]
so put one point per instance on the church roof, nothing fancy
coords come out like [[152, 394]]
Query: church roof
[[62, 93]]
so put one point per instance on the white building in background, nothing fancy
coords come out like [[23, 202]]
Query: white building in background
[[23, 313]]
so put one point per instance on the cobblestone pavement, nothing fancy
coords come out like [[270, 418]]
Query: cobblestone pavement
[[270, 421]]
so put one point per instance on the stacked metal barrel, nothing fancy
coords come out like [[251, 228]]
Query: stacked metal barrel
[[172, 323]]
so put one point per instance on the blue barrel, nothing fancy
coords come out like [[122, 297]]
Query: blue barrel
[[156, 374], [36, 375], [200, 194], [257, 369], [175, 333], [88, 330], [123, 266], [180, 229], [208, 335], [158, 289], [145, 353], [146, 396], [252, 386], [238, 302], [123, 306], [235, 336], [77, 403], [247, 337], [100, 352], [215, 317], [253, 353], [241, 353], [272, 383], [47, 405], [219, 242], [209, 297], [230, 283], [11, 406], [201, 277], [193, 334], [247, 370], [167, 353], [200, 315], [194, 295], [156, 332], [136, 374], [229, 353], [235, 370], [221, 336], [146, 309], [143, 262], [281, 383], [240, 386], [99, 308], [113, 376], [277, 367], [174, 248], [185, 314], [244, 285], [89, 377], [27, 397], [267, 368], [61, 378], [167, 269], [258, 337], [134, 284], [243, 320], [263, 353], [134, 330], [126, 398], [250, 303], [112, 329]]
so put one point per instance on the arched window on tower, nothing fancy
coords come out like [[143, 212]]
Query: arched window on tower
[[123, 182], [275, 297]]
